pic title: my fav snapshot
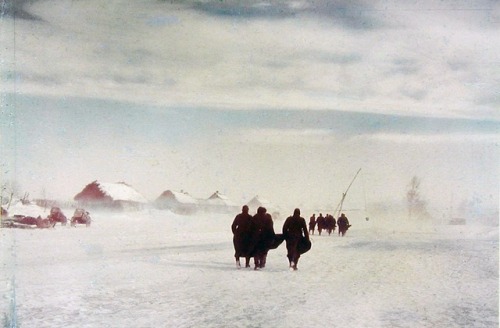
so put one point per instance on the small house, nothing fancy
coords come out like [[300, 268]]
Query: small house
[[177, 202], [258, 201], [119, 195], [219, 203]]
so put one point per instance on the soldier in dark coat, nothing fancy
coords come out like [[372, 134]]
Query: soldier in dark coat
[[242, 228], [343, 224], [268, 238], [321, 223], [294, 230], [263, 237], [312, 224], [330, 223]]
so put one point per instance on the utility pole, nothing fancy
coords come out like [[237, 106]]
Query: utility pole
[[339, 206]]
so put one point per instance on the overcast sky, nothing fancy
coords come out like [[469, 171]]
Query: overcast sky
[[285, 99]]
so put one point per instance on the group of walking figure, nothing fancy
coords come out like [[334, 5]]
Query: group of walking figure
[[328, 223], [254, 236]]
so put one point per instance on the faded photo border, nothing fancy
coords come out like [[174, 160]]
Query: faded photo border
[[299, 102]]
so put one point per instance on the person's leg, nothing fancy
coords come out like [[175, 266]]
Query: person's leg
[[256, 260], [289, 249], [236, 249], [292, 247], [237, 254], [296, 261], [263, 262]]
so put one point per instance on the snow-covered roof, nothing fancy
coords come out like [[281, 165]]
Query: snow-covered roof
[[18, 208], [182, 197], [220, 199], [258, 201], [121, 191]]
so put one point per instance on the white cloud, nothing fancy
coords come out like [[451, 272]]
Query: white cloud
[[413, 138], [287, 136], [189, 57]]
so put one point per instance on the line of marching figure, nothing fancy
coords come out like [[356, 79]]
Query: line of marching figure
[[254, 236], [328, 223]]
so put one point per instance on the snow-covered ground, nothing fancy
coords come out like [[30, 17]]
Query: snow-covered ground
[[157, 269]]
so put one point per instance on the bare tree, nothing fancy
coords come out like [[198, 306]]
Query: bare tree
[[417, 208], [9, 190], [44, 201], [26, 198]]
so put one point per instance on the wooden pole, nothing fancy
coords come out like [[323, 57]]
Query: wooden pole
[[339, 206]]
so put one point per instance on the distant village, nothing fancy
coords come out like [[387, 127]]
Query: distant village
[[120, 196]]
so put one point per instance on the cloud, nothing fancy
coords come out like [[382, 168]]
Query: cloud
[[308, 137], [459, 138], [276, 98], [413, 59], [404, 66], [161, 20], [324, 137], [356, 15], [16, 9], [490, 99], [243, 9], [63, 144]]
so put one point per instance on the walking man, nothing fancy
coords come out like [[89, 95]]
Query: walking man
[[263, 237], [343, 224], [312, 224], [294, 231], [242, 235]]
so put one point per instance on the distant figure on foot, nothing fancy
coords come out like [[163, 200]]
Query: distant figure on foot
[[242, 235], [312, 224], [343, 224], [321, 223], [295, 233], [330, 223]]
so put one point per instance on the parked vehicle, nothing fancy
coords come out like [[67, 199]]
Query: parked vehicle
[[81, 216], [27, 222], [56, 215]]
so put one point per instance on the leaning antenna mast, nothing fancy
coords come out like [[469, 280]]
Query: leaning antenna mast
[[339, 206]]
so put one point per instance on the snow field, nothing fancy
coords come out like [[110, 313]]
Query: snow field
[[157, 269]]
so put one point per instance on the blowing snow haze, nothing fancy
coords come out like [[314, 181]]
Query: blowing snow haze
[[281, 99]]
